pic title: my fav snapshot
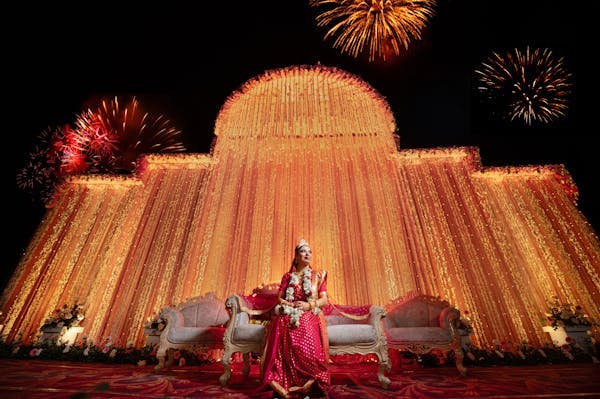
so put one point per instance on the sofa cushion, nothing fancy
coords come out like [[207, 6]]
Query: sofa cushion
[[205, 314], [200, 335], [249, 333], [334, 320], [350, 334], [417, 334], [411, 314], [414, 313]]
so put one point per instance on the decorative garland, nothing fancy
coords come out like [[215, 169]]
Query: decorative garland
[[293, 312]]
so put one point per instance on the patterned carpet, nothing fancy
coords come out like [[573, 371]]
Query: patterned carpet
[[38, 379]]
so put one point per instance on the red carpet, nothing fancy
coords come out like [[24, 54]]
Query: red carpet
[[38, 379]]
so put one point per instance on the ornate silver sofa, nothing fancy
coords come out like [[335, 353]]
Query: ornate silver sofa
[[196, 324], [347, 334], [422, 323], [361, 335]]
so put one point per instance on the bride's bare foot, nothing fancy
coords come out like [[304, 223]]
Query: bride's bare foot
[[304, 388], [294, 389], [280, 390]]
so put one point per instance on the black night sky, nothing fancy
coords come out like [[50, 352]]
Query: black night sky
[[183, 61]]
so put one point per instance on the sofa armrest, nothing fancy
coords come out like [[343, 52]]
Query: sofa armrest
[[449, 316], [237, 312], [377, 313], [173, 317]]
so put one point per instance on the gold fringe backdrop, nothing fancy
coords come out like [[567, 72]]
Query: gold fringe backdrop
[[310, 152]]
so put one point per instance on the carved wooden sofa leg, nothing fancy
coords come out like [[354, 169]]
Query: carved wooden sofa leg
[[226, 362], [161, 363], [246, 368], [383, 380], [384, 367], [161, 356], [459, 357]]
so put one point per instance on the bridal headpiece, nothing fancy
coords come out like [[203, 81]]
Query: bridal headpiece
[[302, 243]]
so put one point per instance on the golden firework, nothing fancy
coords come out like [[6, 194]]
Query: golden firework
[[377, 27], [530, 85]]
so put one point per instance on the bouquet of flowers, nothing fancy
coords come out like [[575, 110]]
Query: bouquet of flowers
[[67, 316], [155, 322], [565, 314]]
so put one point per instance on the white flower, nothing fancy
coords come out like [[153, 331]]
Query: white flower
[[307, 286], [307, 283], [293, 312], [289, 293], [294, 279]]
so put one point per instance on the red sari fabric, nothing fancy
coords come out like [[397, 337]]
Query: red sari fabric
[[295, 354]]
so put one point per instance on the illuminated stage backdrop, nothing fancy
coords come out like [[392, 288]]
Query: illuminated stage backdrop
[[310, 152]]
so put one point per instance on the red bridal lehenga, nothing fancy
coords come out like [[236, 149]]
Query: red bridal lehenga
[[294, 354]]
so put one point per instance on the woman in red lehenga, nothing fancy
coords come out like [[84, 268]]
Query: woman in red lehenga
[[296, 358]]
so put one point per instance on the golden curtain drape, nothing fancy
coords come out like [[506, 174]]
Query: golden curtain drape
[[309, 153]]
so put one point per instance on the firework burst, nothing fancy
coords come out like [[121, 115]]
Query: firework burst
[[116, 134], [377, 27], [531, 85], [38, 178], [108, 139]]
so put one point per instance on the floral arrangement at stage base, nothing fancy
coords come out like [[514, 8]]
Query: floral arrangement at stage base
[[500, 354], [62, 325], [67, 316], [562, 314], [567, 323]]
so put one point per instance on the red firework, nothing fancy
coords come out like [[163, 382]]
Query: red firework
[[107, 139]]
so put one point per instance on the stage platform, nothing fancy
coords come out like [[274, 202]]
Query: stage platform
[[39, 379]]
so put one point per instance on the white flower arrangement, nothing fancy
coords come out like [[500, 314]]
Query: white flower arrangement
[[565, 314], [67, 316]]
